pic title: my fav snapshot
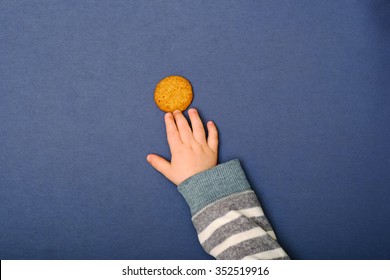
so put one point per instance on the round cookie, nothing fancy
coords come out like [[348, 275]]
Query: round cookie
[[173, 93]]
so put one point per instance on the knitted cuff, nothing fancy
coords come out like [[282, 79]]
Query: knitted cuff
[[208, 186]]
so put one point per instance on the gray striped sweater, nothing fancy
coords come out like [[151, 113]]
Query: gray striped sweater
[[227, 215]]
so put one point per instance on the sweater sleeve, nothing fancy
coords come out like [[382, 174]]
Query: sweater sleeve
[[227, 215]]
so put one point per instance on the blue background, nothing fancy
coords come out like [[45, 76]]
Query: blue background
[[299, 91]]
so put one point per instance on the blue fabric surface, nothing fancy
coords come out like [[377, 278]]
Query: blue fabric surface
[[298, 89]]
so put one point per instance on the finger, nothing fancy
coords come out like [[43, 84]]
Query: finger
[[183, 127], [173, 135], [197, 126], [160, 164], [212, 139]]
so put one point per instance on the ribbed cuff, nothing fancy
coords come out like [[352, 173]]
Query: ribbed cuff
[[208, 186]]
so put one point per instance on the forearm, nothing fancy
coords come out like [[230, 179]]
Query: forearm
[[227, 215]]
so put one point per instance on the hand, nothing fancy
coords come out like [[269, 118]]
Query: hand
[[191, 151]]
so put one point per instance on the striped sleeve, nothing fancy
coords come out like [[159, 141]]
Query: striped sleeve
[[227, 216]]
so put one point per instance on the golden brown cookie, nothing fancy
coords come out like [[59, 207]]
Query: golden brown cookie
[[173, 93]]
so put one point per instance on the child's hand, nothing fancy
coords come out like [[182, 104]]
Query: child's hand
[[191, 151]]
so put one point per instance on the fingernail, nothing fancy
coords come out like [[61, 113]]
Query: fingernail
[[148, 158]]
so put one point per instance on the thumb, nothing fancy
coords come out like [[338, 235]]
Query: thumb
[[159, 163]]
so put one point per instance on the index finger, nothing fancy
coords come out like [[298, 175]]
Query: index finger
[[173, 135]]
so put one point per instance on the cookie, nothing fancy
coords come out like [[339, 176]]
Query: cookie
[[173, 93]]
